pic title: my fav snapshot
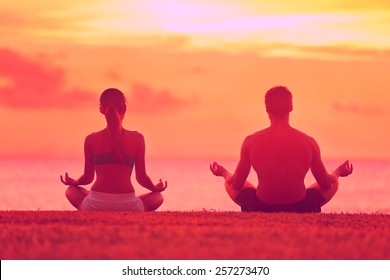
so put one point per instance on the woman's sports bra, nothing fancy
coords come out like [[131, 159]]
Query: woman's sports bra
[[110, 158]]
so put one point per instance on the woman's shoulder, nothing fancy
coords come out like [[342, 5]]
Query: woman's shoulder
[[95, 134], [134, 134], [95, 137]]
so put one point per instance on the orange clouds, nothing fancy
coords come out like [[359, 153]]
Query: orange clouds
[[209, 100], [30, 83], [144, 99], [358, 109], [35, 84]]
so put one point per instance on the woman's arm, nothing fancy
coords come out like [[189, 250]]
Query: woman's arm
[[140, 169], [89, 171]]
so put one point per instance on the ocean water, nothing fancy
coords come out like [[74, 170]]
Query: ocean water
[[34, 184]]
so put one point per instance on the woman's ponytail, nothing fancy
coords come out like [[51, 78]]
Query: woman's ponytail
[[114, 103], [113, 118]]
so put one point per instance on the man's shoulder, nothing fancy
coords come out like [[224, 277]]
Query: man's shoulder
[[255, 137], [267, 135], [309, 139], [260, 133], [301, 133]]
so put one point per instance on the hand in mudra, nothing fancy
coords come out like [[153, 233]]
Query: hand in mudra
[[218, 170], [344, 169], [160, 187], [68, 180]]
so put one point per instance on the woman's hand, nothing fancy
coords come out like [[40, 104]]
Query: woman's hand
[[344, 169], [160, 187], [68, 181]]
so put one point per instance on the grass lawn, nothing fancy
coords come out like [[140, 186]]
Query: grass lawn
[[192, 235]]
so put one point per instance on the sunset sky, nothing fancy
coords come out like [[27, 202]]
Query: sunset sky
[[194, 73]]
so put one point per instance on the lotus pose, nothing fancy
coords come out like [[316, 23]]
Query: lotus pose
[[281, 156], [113, 153]]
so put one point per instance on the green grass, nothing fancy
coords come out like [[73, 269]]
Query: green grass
[[192, 235]]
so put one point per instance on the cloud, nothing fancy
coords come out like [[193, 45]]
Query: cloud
[[27, 83], [356, 109], [114, 75], [34, 23], [341, 52], [196, 70], [331, 53], [144, 99]]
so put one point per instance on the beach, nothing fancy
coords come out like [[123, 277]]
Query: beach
[[195, 235]]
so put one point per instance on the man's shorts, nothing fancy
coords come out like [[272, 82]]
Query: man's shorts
[[249, 202], [98, 201]]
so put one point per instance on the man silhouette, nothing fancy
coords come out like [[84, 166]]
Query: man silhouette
[[281, 156]]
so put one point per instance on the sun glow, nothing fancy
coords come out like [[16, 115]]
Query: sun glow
[[234, 26], [222, 25]]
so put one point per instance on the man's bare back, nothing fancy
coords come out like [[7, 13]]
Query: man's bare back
[[281, 157]]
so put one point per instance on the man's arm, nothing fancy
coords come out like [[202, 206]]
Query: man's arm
[[243, 167], [323, 178]]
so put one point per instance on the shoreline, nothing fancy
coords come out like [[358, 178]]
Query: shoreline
[[193, 235]]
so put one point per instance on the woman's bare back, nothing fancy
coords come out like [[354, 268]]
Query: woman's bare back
[[113, 176]]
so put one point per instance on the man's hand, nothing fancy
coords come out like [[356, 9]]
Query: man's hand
[[344, 169], [218, 170]]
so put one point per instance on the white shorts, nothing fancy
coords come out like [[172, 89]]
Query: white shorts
[[99, 201]]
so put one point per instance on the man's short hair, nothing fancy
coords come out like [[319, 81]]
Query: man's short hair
[[278, 101]]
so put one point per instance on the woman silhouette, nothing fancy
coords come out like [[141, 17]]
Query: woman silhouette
[[112, 153]]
